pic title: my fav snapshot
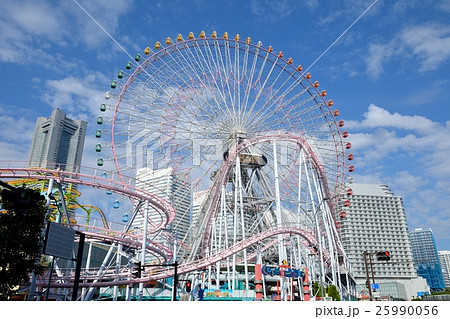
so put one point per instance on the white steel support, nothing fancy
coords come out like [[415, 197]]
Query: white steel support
[[281, 254], [281, 248], [118, 258], [144, 246], [88, 265], [101, 271], [235, 218], [319, 235], [323, 208], [224, 216], [241, 211]]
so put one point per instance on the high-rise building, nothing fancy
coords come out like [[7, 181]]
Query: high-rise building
[[444, 259], [57, 141], [426, 258], [163, 183], [374, 220]]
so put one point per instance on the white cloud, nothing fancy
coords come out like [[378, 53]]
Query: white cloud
[[78, 96], [379, 117], [15, 128], [29, 30], [431, 43], [106, 14], [428, 43], [16, 133], [270, 10], [378, 55], [444, 5], [384, 136]]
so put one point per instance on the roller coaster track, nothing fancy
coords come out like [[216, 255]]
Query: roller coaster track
[[157, 273], [166, 211]]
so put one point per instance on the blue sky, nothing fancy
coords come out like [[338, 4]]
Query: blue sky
[[388, 75]]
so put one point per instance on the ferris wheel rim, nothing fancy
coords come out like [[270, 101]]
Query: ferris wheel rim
[[279, 57]]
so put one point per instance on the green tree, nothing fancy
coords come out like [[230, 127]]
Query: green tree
[[21, 240], [316, 289], [333, 293]]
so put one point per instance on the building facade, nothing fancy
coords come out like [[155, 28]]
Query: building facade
[[374, 220], [57, 142], [426, 258], [444, 259], [163, 183]]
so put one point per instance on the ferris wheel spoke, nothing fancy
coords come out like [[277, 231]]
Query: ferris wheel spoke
[[207, 71]]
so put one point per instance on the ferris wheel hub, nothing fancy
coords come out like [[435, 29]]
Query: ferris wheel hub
[[237, 135]]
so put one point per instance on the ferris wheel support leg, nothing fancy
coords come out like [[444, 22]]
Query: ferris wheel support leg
[[224, 217], [144, 245], [118, 257], [281, 247], [88, 265], [241, 210], [318, 232], [235, 219], [100, 271], [327, 221]]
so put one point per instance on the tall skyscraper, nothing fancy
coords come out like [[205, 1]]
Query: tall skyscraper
[[375, 220], [163, 183], [57, 141], [426, 258], [444, 259]]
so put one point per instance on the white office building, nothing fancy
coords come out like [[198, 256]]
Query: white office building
[[444, 258], [375, 221], [198, 201], [163, 183]]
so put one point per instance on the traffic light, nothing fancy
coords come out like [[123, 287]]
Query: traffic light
[[383, 256], [188, 286], [137, 269]]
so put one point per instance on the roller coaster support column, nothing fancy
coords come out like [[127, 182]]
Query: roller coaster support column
[[306, 291], [63, 202], [258, 282], [144, 246]]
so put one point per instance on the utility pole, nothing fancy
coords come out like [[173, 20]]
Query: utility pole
[[368, 285], [175, 281]]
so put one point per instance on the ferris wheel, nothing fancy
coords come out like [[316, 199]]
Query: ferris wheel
[[243, 144]]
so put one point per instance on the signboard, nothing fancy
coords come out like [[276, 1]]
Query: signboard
[[375, 286], [283, 271], [59, 241], [218, 293]]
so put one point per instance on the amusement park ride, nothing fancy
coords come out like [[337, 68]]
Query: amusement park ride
[[232, 120]]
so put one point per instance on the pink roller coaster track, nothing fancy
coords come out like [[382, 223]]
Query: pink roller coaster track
[[228, 164], [166, 211]]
